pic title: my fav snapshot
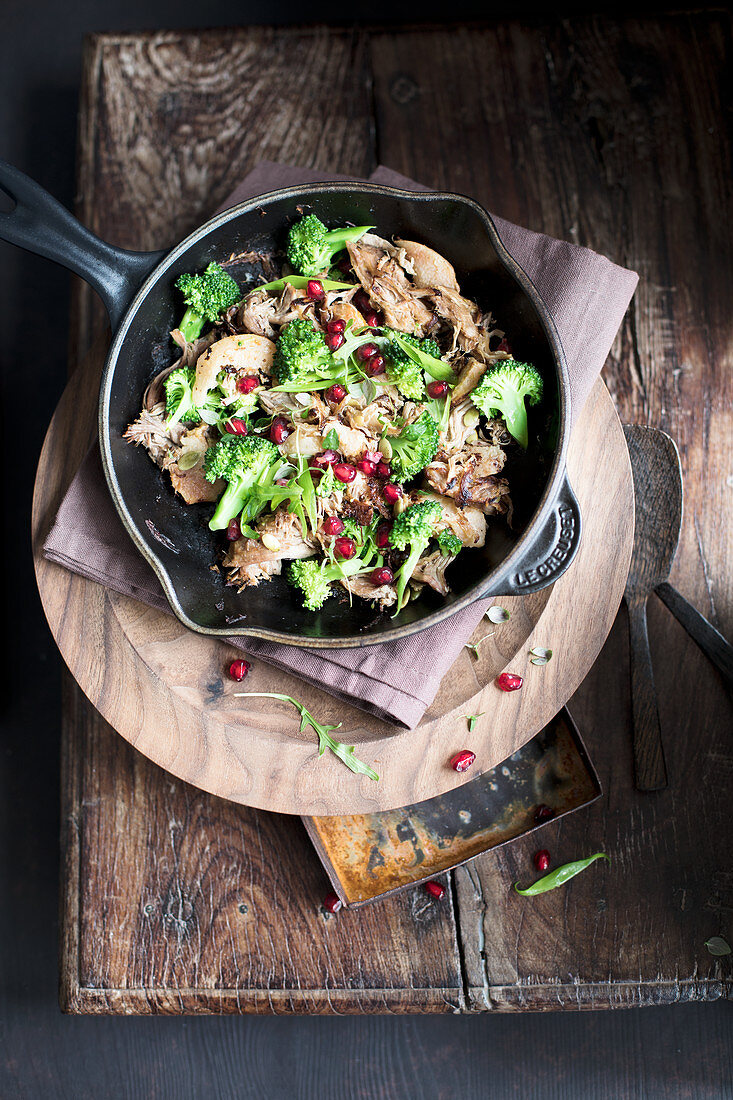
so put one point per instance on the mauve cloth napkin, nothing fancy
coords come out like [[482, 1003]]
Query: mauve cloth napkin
[[587, 296]]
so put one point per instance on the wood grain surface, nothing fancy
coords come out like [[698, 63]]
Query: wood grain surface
[[576, 129]]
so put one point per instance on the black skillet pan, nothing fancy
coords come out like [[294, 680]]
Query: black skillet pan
[[137, 289]]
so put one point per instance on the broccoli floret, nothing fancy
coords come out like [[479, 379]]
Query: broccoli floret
[[311, 246], [449, 544], [403, 372], [502, 391], [314, 580], [206, 296], [179, 406], [402, 349], [414, 528], [302, 359], [414, 448], [244, 462]]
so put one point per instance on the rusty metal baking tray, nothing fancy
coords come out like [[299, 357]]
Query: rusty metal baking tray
[[369, 855]]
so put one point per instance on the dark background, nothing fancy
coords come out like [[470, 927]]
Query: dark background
[[682, 1051]]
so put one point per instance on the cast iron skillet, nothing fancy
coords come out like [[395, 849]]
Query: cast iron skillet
[[137, 289]]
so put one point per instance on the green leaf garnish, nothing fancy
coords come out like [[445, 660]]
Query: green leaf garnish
[[717, 946], [559, 876], [472, 720], [345, 753], [300, 282], [331, 440], [539, 655], [473, 646]]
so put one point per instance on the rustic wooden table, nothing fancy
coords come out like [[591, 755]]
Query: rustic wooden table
[[606, 133]]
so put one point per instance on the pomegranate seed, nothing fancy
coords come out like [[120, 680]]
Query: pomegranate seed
[[335, 393], [344, 265], [343, 472], [235, 426], [248, 383], [334, 340], [234, 531], [383, 470], [463, 760], [367, 467], [332, 525], [315, 290], [509, 682], [543, 813], [375, 365], [541, 859], [281, 481], [504, 346], [382, 535], [239, 669], [332, 902], [345, 547], [437, 389], [361, 301], [325, 458], [435, 889], [279, 430], [372, 318], [366, 351], [392, 492], [381, 576], [336, 326], [373, 456]]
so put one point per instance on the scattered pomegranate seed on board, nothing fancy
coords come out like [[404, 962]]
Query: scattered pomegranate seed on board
[[541, 859], [435, 889], [508, 681], [332, 902], [239, 669], [463, 760], [543, 813]]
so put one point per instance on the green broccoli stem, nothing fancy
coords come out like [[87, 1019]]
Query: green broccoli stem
[[515, 418], [191, 325], [406, 571], [231, 503]]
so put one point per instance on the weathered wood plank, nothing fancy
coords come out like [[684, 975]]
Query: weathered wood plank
[[581, 130], [176, 901]]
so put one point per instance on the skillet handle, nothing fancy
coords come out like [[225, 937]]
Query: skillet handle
[[552, 551], [42, 225]]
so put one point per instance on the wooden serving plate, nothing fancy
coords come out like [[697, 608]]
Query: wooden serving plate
[[166, 691]]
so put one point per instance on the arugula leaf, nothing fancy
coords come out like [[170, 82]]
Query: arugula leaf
[[473, 646], [559, 876], [300, 282], [345, 753]]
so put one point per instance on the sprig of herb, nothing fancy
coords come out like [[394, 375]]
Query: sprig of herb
[[345, 753], [472, 720], [539, 655], [474, 645], [559, 876], [717, 946]]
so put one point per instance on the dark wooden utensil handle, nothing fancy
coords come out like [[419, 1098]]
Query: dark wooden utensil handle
[[650, 771], [711, 642]]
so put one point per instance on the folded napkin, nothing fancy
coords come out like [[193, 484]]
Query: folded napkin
[[587, 296]]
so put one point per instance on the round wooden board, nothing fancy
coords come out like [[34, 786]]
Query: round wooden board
[[165, 688]]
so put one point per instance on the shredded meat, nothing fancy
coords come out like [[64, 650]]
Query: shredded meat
[[151, 432], [460, 315], [385, 595], [386, 283], [429, 268], [431, 570], [468, 476], [248, 561], [468, 523], [469, 377]]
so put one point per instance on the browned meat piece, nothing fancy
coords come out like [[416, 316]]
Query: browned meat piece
[[461, 316], [429, 268], [385, 595], [248, 561], [359, 510], [344, 311], [193, 486], [431, 571], [469, 377], [193, 351], [257, 313], [468, 477], [389, 289]]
